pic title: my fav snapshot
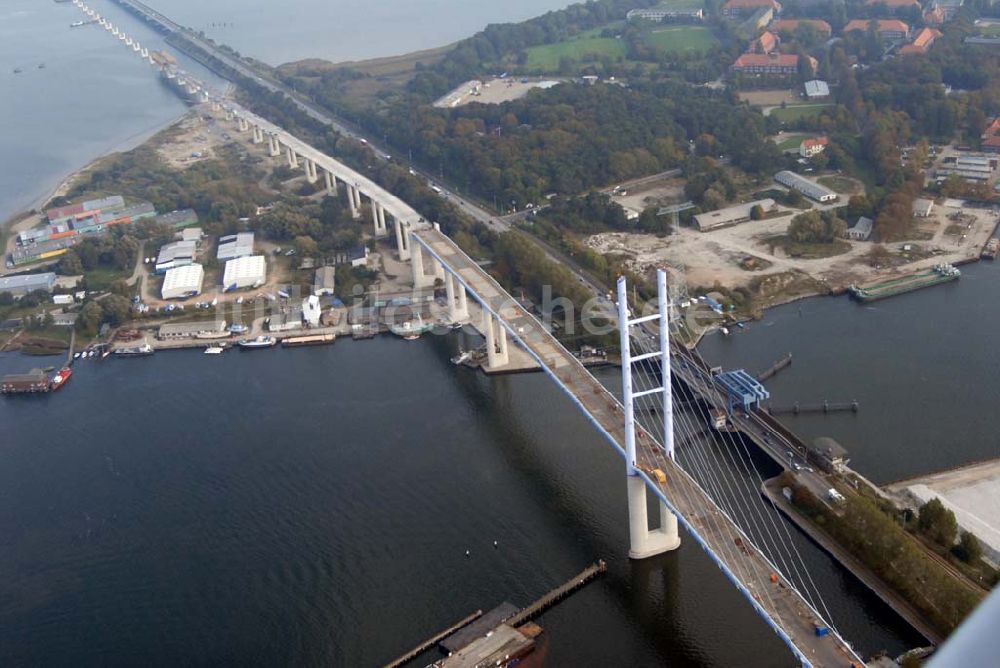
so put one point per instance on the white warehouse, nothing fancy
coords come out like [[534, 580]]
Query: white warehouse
[[244, 272], [183, 281], [810, 189]]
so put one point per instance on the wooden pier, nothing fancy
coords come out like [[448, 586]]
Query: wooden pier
[[825, 407], [559, 593], [775, 368], [433, 640]]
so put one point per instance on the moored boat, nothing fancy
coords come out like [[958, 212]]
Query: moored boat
[[138, 351], [60, 378], [258, 342]]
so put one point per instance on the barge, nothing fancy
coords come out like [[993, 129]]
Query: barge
[[314, 340], [940, 273]]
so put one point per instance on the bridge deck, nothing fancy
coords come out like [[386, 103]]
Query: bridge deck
[[781, 606]]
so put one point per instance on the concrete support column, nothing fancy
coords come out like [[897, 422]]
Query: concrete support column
[[374, 207], [357, 197], [492, 359], [502, 355], [273, 146], [242, 124], [352, 200], [310, 171], [644, 542], [417, 264], [449, 290], [381, 220], [293, 160], [438, 267], [258, 136], [463, 300], [401, 239], [330, 182]]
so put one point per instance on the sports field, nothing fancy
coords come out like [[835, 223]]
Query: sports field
[[676, 39], [793, 113], [547, 56]]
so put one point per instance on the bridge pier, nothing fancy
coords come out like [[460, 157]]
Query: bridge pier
[[357, 198], [330, 181], [258, 135], [311, 176], [438, 267], [273, 146], [242, 124], [458, 306], [293, 160], [378, 219], [402, 240], [351, 200], [496, 342], [417, 264], [643, 541]]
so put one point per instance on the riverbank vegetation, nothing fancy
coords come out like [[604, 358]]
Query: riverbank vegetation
[[874, 535]]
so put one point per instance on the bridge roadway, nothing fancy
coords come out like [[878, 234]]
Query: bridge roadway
[[749, 570]]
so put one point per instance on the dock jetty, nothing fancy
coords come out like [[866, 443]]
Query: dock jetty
[[500, 636]]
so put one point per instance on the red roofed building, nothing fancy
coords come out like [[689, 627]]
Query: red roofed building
[[789, 26], [766, 43], [991, 138], [769, 63], [921, 42], [810, 147], [736, 8], [890, 29]]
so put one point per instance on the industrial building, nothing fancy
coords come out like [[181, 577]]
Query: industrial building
[[65, 213], [922, 208], [85, 221], [285, 321], [311, 310], [182, 282], [244, 272], [202, 329], [191, 234], [730, 216], [176, 254], [810, 189], [769, 63], [235, 246], [969, 167], [23, 284], [178, 219], [862, 230], [43, 250], [324, 281]]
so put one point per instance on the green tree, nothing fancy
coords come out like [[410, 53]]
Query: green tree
[[115, 309], [90, 318], [69, 264], [757, 212], [937, 523], [6, 298], [969, 548]]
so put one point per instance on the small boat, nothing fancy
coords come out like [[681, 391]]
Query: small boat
[[462, 357], [411, 329], [76, 356], [411, 337], [60, 378], [214, 350], [41, 66], [259, 342], [17, 70], [238, 329], [138, 351]]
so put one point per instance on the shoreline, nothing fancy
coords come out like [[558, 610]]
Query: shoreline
[[129, 143]]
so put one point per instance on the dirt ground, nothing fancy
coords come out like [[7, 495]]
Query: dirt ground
[[655, 193], [192, 140], [493, 91], [769, 98], [723, 255]]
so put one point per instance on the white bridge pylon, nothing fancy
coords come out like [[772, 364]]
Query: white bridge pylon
[[643, 541]]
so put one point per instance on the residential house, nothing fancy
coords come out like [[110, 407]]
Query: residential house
[[813, 146], [923, 41]]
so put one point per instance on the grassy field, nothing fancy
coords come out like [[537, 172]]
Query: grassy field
[[808, 251], [681, 38], [547, 56], [790, 142], [840, 184], [794, 113]]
